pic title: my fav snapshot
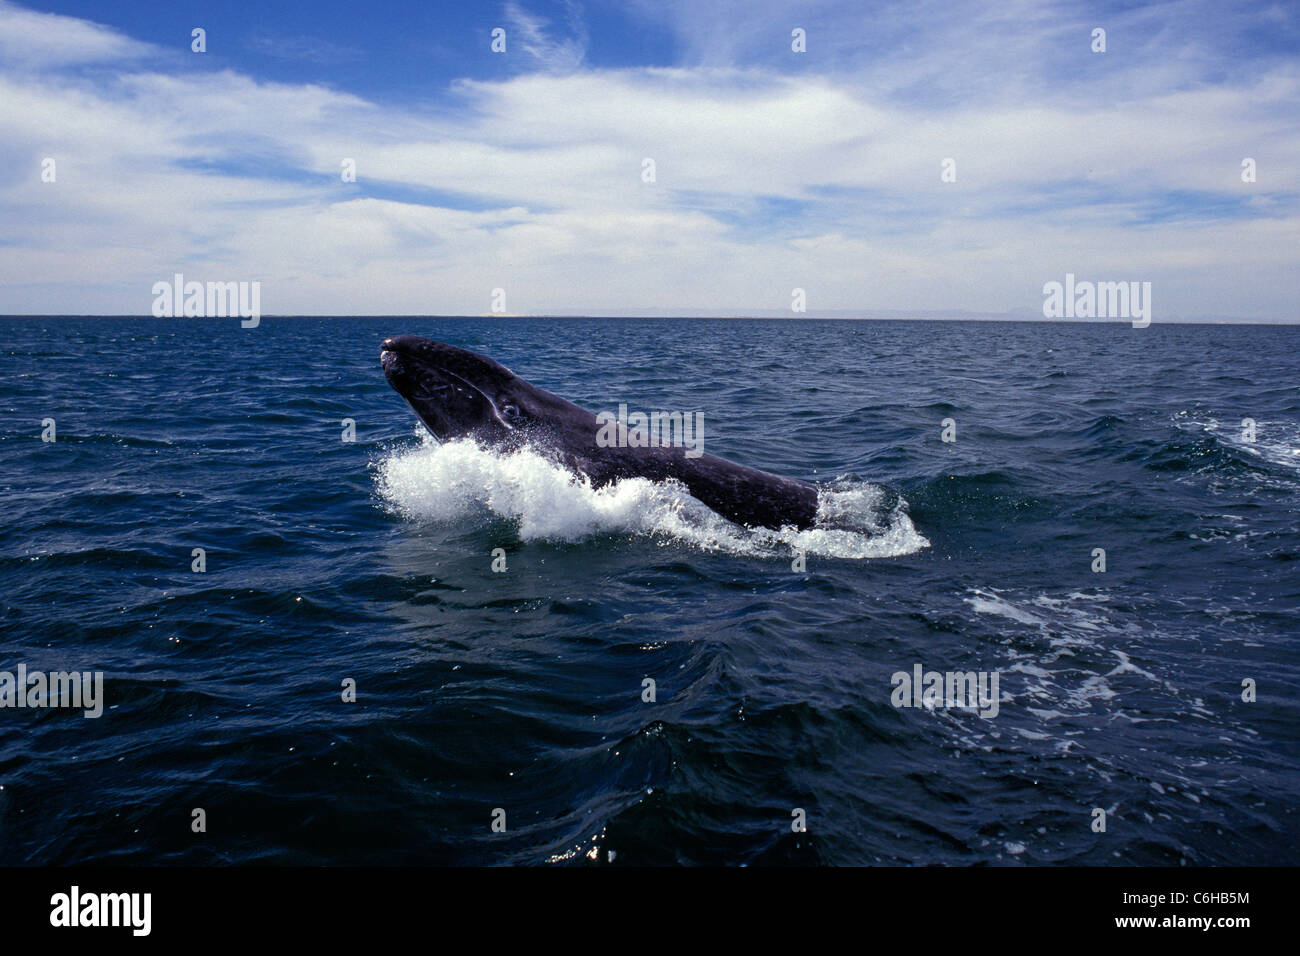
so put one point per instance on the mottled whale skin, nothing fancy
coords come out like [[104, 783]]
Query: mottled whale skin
[[461, 394]]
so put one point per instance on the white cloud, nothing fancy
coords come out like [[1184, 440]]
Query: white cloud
[[30, 40], [534, 36]]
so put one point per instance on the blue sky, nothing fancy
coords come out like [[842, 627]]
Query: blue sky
[[773, 169]]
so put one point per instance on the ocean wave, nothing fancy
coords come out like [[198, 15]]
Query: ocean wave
[[1070, 651], [1275, 443]]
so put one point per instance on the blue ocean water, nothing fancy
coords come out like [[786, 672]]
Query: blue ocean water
[[371, 561]]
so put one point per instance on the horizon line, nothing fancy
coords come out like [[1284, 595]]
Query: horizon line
[[956, 317]]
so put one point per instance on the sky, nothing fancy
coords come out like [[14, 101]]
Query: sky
[[773, 170]]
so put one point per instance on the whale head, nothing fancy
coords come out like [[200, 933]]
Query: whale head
[[456, 393]]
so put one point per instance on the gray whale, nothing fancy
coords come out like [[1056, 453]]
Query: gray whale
[[461, 394]]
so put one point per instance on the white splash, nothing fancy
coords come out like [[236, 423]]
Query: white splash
[[447, 482]]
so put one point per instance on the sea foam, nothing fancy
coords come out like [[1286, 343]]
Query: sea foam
[[452, 481]]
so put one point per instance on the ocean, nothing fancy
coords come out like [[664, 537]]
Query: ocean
[[383, 650]]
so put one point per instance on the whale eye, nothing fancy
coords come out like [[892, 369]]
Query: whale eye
[[510, 411]]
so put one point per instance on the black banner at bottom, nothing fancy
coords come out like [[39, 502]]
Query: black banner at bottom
[[923, 905]]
